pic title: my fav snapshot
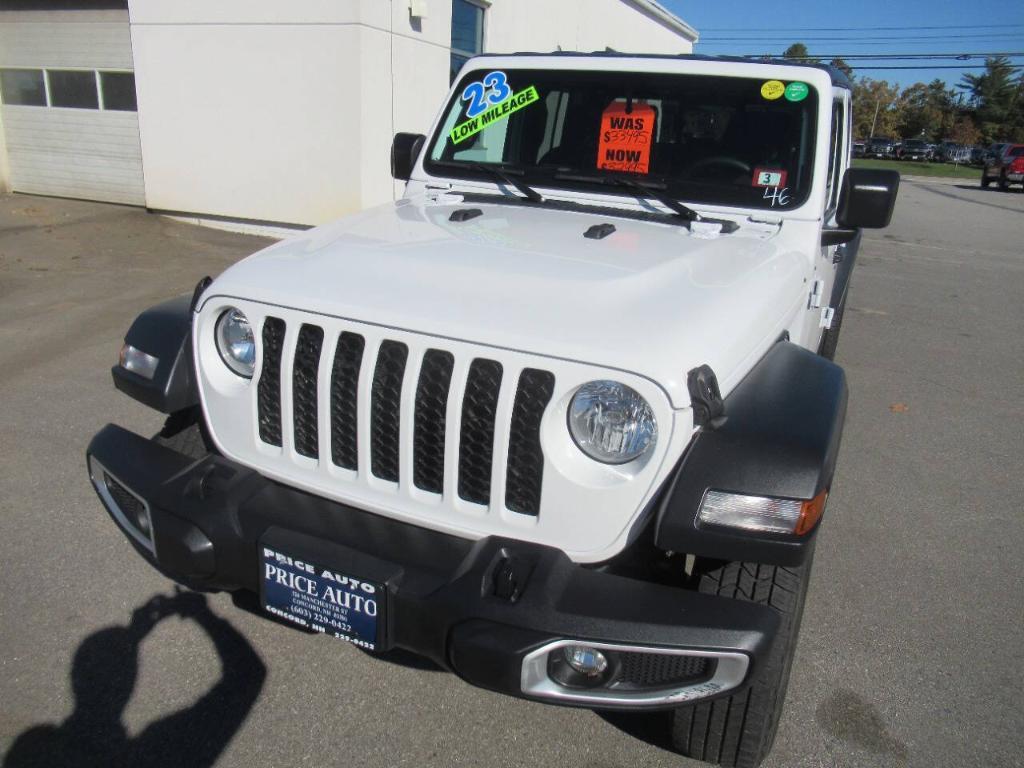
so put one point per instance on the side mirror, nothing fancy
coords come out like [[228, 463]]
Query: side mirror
[[404, 150], [867, 198]]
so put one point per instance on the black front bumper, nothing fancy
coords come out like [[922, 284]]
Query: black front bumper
[[474, 607]]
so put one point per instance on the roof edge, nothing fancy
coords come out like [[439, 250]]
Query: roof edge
[[665, 16]]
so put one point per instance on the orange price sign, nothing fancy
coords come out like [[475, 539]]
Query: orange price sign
[[625, 140]]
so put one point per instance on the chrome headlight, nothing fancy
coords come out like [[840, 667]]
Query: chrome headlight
[[236, 343], [611, 422]]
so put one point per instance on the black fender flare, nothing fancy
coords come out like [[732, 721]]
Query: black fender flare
[[780, 438], [164, 331]]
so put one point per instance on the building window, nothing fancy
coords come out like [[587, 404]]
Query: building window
[[23, 87], [467, 33], [73, 89], [76, 88], [118, 91]]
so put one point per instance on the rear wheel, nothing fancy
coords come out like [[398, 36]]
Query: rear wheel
[[985, 180], [739, 730], [1004, 185]]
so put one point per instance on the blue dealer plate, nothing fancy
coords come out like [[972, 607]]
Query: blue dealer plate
[[320, 598]]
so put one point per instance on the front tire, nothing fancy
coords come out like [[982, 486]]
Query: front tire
[[1004, 185], [738, 731], [985, 180]]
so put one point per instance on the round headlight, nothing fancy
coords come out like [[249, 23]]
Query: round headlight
[[611, 422], [236, 343]]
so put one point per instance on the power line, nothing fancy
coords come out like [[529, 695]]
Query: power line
[[892, 39], [959, 56], [858, 29], [922, 66]]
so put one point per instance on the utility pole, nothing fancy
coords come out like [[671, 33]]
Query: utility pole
[[875, 118]]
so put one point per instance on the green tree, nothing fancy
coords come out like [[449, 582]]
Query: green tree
[[843, 67], [798, 51], [994, 95], [875, 102], [943, 100], [1013, 129], [919, 117], [964, 131]]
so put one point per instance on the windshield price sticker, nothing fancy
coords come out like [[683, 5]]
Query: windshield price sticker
[[769, 177], [772, 90], [490, 101], [625, 141]]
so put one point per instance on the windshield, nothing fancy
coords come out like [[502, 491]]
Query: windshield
[[698, 138]]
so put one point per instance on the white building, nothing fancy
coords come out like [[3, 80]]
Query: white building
[[259, 110]]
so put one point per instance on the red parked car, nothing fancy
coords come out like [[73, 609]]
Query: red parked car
[[1006, 167]]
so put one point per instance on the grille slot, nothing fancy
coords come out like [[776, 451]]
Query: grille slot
[[654, 670], [525, 456], [476, 440], [429, 424], [304, 389], [385, 409], [348, 359], [268, 390]]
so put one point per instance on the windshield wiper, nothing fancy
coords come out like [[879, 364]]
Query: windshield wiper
[[501, 173], [504, 174], [646, 189]]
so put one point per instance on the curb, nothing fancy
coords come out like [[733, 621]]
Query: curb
[[941, 180]]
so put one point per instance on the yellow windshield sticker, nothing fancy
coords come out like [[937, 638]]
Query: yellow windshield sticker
[[498, 112], [772, 90]]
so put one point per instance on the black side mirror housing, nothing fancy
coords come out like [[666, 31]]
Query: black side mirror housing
[[405, 148], [867, 198]]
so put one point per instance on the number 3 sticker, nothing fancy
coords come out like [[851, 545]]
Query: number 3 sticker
[[482, 95]]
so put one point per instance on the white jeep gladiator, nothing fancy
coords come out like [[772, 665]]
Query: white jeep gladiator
[[562, 419]]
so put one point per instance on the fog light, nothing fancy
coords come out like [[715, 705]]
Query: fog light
[[585, 660], [579, 666]]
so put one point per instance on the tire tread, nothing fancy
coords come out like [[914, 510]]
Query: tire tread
[[738, 730]]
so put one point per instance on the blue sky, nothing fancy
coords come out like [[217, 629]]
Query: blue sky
[[912, 27]]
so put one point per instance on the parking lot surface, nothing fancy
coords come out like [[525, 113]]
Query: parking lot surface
[[911, 652]]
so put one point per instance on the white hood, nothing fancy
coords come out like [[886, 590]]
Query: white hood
[[650, 298]]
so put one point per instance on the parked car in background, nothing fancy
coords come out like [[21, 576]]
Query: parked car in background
[[859, 147], [978, 154], [881, 147], [995, 150], [914, 149], [1006, 168]]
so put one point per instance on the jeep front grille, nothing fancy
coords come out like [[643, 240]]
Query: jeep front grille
[[381, 424]]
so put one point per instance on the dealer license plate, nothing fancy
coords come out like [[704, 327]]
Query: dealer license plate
[[321, 598]]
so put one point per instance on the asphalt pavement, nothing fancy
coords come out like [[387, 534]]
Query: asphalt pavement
[[912, 650]]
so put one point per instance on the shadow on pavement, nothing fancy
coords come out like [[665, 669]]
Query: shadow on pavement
[[103, 676], [403, 658], [649, 727]]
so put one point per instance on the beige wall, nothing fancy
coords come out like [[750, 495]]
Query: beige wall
[[284, 112]]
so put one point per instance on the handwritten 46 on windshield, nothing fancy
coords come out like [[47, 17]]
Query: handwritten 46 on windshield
[[777, 196], [625, 141]]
